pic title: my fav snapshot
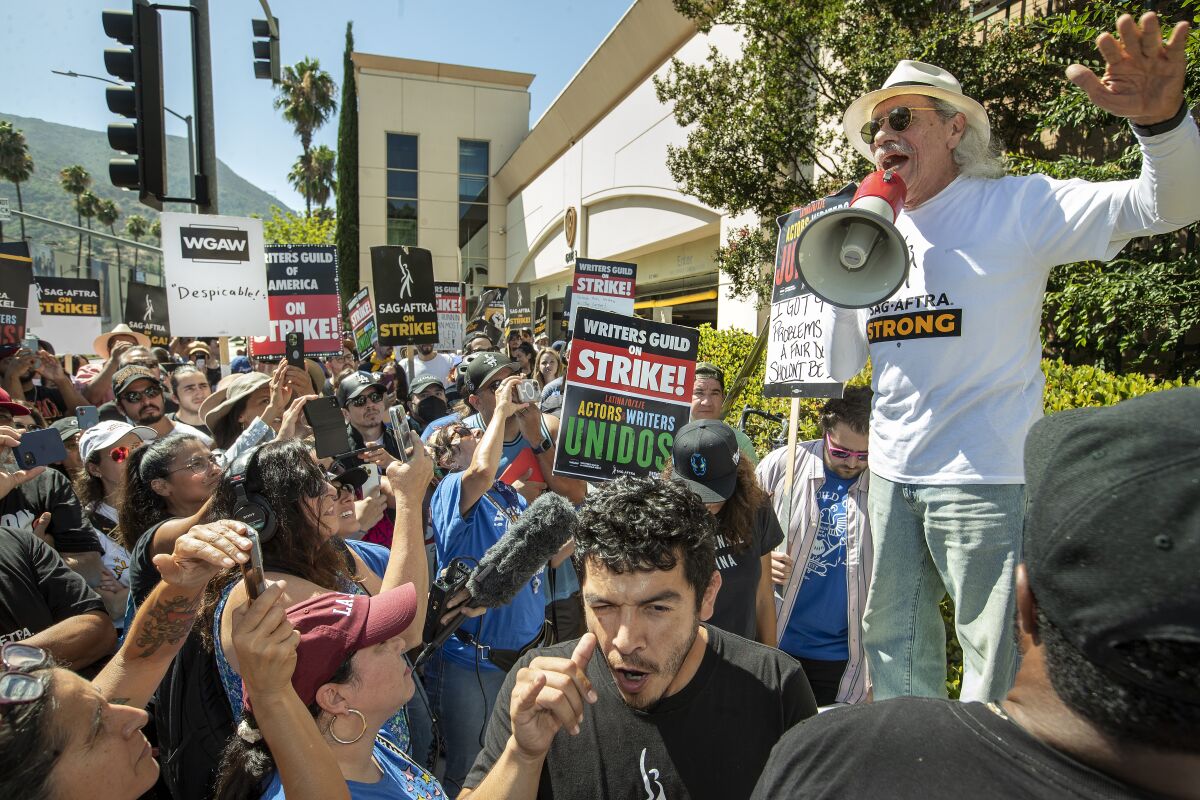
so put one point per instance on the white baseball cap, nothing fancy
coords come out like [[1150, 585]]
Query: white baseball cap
[[105, 434]]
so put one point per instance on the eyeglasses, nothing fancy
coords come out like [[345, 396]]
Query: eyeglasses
[[199, 466], [342, 488], [17, 685], [119, 454], [898, 119], [363, 399], [838, 452], [136, 397]]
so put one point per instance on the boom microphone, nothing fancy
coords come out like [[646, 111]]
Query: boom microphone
[[509, 564]]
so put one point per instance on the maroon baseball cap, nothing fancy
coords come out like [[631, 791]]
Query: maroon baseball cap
[[6, 403], [335, 626]]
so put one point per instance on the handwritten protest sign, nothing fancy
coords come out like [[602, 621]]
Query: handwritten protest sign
[[302, 296], [362, 319], [605, 285], [451, 299], [405, 310], [628, 391], [70, 312], [216, 275], [146, 312], [795, 354]]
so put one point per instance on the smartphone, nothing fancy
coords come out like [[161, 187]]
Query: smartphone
[[370, 487], [400, 430], [329, 427], [252, 570], [87, 416], [40, 448], [528, 391], [294, 349], [201, 364], [33, 345]]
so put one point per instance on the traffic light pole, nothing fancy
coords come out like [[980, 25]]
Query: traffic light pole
[[206, 137]]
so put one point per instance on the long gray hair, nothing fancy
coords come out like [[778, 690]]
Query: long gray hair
[[980, 153]]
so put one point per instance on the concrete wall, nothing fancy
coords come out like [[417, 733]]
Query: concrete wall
[[440, 104]]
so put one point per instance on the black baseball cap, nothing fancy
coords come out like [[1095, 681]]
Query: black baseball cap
[[1112, 527], [705, 458], [705, 369], [130, 374], [355, 384], [484, 367], [424, 382]]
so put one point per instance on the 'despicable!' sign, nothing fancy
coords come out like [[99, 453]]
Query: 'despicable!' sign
[[215, 273]]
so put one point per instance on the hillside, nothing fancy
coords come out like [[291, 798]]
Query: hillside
[[54, 146]]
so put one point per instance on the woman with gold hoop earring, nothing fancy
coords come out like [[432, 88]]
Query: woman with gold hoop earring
[[336, 661]]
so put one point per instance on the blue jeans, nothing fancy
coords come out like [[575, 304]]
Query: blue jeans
[[462, 698], [929, 540]]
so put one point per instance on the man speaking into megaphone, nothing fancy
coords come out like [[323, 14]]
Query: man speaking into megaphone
[[955, 348]]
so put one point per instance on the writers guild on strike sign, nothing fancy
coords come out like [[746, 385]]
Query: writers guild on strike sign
[[628, 391], [302, 296]]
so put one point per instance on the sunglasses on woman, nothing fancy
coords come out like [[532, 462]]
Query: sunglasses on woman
[[17, 685], [363, 399], [839, 452], [119, 454], [898, 119]]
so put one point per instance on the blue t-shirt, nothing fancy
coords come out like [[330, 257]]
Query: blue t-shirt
[[818, 627], [509, 627], [437, 424], [513, 447], [401, 780]]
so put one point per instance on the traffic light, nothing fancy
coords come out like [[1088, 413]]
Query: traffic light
[[139, 63], [266, 49]]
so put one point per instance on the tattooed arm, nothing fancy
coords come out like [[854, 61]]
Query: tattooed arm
[[165, 618]]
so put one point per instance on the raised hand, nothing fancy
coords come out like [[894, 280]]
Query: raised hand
[[11, 437], [1143, 78], [551, 694], [203, 552], [265, 642]]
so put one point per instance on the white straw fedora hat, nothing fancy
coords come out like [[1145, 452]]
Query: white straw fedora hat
[[911, 77]]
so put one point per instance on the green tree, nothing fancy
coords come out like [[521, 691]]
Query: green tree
[[107, 213], [347, 185], [284, 227], [16, 164], [135, 228], [87, 206], [75, 180], [307, 98], [314, 177]]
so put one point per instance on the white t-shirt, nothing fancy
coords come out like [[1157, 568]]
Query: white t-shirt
[[956, 352], [183, 427], [439, 367]]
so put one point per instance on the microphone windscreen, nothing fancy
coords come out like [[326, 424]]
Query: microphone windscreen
[[536, 535]]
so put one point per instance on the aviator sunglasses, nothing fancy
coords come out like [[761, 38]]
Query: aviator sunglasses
[[898, 119]]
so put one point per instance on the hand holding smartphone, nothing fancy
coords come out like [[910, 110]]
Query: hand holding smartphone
[[294, 349], [252, 569], [400, 431]]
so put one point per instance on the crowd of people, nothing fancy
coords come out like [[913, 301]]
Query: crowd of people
[[740, 624]]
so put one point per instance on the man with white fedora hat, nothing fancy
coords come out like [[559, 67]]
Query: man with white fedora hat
[[956, 353]]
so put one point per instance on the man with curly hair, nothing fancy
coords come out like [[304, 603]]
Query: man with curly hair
[[651, 700]]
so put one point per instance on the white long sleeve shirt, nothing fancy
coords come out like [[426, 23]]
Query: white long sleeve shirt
[[956, 352]]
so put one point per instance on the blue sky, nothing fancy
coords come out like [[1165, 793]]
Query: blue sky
[[549, 38]]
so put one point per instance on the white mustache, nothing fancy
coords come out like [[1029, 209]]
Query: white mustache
[[892, 148]]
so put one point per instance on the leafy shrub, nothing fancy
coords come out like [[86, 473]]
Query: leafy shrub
[[1067, 386]]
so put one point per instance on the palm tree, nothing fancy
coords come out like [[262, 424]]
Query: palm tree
[[16, 164], [307, 98], [108, 212], [135, 228], [87, 205], [315, 178], [75, 180]]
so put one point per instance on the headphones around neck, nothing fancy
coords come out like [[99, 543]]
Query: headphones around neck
[[249, 507]]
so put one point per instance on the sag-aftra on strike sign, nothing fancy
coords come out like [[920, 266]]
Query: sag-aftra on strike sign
[[215, 274]]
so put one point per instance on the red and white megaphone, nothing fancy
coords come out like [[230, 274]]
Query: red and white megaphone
[[854, 257]]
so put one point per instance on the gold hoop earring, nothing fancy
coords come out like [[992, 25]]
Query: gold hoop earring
[[360, 733]]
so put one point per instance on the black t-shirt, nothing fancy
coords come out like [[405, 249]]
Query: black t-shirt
[[111, 412], [143, 575], [50, 491], [920, 748], [37, 589], [736, 607], [48, 400], [709, 740]]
